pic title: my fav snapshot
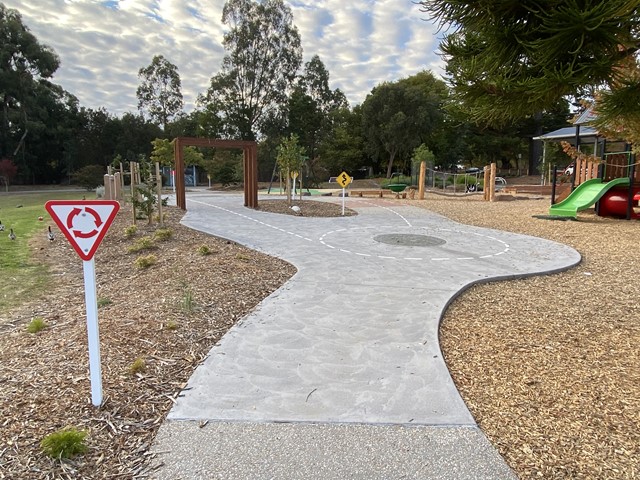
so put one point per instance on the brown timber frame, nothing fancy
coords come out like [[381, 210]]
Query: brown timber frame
[[250, 165]]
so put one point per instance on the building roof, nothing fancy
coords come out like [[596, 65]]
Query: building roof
[[586, 117], [568, 134]]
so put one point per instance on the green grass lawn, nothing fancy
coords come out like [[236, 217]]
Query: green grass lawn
[[20, 276]]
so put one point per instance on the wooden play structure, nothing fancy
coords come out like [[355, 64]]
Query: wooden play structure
[[612, 183], [250, 166]]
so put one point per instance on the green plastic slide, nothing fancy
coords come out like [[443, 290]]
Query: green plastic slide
[[585, 195]]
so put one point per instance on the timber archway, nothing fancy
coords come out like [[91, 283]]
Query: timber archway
[[250, 166]]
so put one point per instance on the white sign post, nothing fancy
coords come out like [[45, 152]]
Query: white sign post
[[85, 223], [343, 180]]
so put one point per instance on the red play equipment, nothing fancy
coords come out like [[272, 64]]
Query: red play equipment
[[621, 201], [612, 184], [615, 202]]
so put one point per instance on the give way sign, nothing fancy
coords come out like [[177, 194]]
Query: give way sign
[[83, 222]]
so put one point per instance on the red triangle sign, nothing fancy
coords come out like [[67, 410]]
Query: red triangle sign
[[83, 222]]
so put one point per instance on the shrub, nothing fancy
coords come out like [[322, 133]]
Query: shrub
[[188, 304], [163, 234], [144, 243], [89, 177], [36, 325], [204, 250], [172, 325], [64, 443], [138, 366], [130, 231], [146, 261], [103, 302], [145, 200]]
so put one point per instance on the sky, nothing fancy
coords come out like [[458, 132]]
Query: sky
[[102, 44]]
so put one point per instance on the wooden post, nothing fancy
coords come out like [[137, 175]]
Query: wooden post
[[117, 186], [159, 187], [121, 178], [487, 177], [107, 187], [132, 168], [492, 184], [423, 173]]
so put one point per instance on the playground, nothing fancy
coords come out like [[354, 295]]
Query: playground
[[529, 357]]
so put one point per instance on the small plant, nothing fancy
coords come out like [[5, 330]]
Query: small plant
[[145, 200], [144, 243], [242, 257], [204, 250], [64, 443], [36, 325], [146, 261], [103, 302], [163, 234], [130, 231], [156, 217], [172, 325], [138, 366], [188, 304]]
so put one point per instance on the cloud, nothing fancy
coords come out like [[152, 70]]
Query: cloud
[[103, 44]]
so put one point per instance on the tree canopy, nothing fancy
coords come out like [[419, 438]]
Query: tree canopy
[[257, 73], [509, 59], [25, 64], [399, 116], [159, 92]]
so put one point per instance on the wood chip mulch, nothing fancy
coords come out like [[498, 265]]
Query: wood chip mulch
[[168, 315], [550, 366]]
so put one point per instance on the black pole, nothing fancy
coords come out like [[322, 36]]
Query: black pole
[[632, 174], [575, 161], [554, 178], [601, 177]]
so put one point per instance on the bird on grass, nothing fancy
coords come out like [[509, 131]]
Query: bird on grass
[[12, 236], [1, 226], [50, 235]]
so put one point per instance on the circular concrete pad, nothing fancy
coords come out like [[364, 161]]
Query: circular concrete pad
[[409, 240]]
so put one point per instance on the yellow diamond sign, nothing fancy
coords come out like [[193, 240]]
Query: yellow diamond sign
[[343, 179]]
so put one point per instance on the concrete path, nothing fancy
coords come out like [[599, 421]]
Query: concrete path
[[339, 374]]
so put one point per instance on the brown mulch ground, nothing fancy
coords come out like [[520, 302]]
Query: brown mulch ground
[[548, 365], [305, 208], [168, 315]]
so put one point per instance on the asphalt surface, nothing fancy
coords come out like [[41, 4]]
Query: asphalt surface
[[339, 373]]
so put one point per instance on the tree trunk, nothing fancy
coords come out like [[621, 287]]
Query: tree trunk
[[392, 156]]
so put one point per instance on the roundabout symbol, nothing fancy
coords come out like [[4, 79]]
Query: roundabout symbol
[[83, 222], [79, 233]]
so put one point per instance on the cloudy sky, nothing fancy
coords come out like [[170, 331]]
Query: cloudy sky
[[103, 43]]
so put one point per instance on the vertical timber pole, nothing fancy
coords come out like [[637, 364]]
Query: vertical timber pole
[[492, 184], [246, 153], [178, 154], [423, 172], [159, 187]]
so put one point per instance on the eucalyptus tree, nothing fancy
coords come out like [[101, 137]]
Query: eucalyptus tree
[[25, 64], [508, 60], [310, 109], [264, 55], [159, 93], [399, 116]]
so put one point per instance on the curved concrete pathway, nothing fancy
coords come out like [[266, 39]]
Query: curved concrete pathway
[[339, 374]]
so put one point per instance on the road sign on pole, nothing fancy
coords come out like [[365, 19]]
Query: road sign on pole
[[343, 180], [85, 223]]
